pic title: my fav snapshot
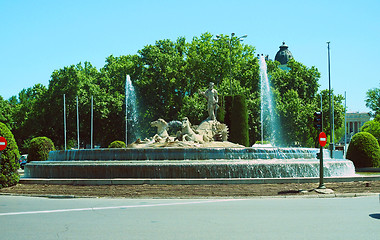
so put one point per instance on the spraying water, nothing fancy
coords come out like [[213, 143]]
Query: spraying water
[[131, 113], [270, 127]]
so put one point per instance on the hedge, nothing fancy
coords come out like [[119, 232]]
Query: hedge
[[364, 150], [9, 161], [236, 118], [117, 144], [39, 149]]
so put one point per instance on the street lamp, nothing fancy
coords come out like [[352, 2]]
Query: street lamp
[[330, 109], [218, 37]]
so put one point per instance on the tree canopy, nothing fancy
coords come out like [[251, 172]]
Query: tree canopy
[[373, 101], [167, 76]]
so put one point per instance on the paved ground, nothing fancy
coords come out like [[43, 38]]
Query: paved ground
[[193, 191], [211, 218]]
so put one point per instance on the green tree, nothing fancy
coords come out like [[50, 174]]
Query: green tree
[[73, 81], [295, 119], [166, 76], [297, 99], [295, 91], [161, 82], [372, 127], [299, 78], [373, 101], [6, 113], [25, 114], [337, 104], [228, 63], [9, 159]]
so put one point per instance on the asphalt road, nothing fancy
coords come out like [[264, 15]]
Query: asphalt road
[[254, 218]]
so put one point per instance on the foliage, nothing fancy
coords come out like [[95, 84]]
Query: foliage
[[6, 113], [117, 144], [26, 113], [9, 159], [364, 150], [39, 149], [239, 121], [372, 127], [297, 100], [167, 76], [373, 101]]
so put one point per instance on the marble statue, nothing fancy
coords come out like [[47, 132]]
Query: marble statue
[[212, 101]]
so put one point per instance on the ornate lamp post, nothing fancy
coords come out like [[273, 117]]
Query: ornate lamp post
[[218, 37]]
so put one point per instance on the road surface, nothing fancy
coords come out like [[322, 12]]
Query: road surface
[[251, 218]]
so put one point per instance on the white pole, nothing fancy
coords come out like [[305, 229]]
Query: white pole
[[78, 122], [345, 123], [321, 113], [64, 119], [92, 121], [333, 122], [126, 110], [261, 107]]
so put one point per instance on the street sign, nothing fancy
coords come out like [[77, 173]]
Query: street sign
[[322, 139], [3, 143]]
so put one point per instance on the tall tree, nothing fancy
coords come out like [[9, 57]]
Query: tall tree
[[161, 81], [25, 114], [373, 101], [6, 113]]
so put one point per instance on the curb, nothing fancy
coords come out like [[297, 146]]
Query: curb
[[320, 195]]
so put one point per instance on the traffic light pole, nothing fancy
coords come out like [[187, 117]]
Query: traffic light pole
[[322, 139], [321, 181]]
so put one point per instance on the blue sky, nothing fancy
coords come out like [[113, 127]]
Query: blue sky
[[38, 37]]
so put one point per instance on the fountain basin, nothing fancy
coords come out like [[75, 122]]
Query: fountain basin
[[187, 169], [193, 163]]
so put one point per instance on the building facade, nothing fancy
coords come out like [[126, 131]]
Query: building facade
[[356, 120]]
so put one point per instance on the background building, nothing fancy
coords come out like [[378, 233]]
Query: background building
[[283, 56], [355, 120]]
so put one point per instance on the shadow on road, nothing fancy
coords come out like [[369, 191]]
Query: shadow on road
[[375, 215]]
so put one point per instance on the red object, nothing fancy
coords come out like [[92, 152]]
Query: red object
[[3, 143], [322, 139]]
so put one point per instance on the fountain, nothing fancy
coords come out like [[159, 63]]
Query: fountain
[[131, 113], [167, 162], [201, 153], [269, 120]]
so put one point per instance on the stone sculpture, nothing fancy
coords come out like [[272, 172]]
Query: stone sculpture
[[161, 126], [188, 134], [212, 101], [208, 132]]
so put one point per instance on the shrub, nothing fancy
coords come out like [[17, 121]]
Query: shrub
[[117, 144], [39, 149], [364, 150], [9, 161], [236, 118]]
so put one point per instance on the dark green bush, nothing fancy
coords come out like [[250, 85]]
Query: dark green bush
[[39, 149], [9, 161], [117, 144], [364, 150], [227, 110], [236, 118]]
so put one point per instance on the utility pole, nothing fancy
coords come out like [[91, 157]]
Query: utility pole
[[64, 120], [92, 122], [78, 122], [330, 109]]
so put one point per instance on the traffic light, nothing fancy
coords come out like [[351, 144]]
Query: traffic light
[[318, 120]]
